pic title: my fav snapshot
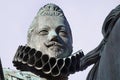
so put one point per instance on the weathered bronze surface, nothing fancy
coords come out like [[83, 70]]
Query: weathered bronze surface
[[28, 59], [106, 56], [49, 34], [49, 46]]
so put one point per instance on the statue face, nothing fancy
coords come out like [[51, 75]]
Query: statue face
[[52, 36]]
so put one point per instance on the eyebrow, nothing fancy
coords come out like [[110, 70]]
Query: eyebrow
[[45, 27], [61, 26]]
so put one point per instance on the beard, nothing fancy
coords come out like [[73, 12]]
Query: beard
[[55, 51]]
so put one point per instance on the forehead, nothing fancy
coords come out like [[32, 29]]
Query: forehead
[[52, 21]]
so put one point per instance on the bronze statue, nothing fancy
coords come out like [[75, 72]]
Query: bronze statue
[[106, 55], [49, 46], [47, 54], [50, 32]]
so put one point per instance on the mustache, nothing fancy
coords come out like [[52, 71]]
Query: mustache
[[53, 43]]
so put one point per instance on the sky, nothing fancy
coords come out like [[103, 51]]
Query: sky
[[85, 17]]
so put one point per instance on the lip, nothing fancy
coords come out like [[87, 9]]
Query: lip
[[50, 44]]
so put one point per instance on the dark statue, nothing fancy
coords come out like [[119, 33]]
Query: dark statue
[[47, 54], [105, 57]]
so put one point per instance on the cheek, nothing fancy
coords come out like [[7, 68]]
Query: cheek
[[36, 40], [68, 43], [66, 40]]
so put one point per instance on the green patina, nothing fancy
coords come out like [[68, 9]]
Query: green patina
[[19, 75]]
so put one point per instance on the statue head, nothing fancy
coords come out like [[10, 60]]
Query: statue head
[[110, 21], [50, 32]]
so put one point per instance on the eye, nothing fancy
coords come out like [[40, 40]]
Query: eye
[[43, 32], [63, 33]]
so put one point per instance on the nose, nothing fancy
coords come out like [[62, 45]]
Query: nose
[[53, 36]]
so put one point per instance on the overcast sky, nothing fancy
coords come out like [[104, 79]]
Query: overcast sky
[[84, 16]]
